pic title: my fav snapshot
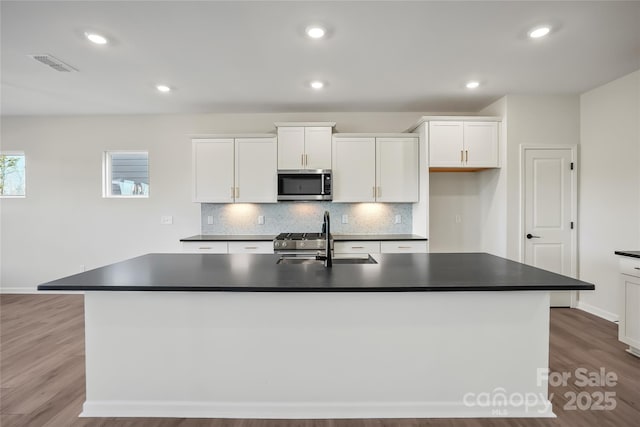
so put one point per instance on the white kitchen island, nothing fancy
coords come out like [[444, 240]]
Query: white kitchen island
[[341, 344]]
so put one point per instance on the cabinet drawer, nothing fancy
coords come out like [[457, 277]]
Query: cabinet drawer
[[630, 266], [259, 247], [356, 247], [205, 247], [398, 247]]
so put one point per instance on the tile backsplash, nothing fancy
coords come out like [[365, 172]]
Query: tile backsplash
[[296, 217]]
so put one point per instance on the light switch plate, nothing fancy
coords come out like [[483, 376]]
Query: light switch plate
[[209, 220], [166, 220], [261, 219], [398, 219], [345, 219]]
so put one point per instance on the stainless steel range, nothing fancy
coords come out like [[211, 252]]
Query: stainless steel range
[[300, 243], [307, 245]]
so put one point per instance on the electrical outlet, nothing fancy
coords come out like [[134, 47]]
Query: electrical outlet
[[345, 219], [261, 219], [209, 220], [166, 220], [398, 219], [458, 219]]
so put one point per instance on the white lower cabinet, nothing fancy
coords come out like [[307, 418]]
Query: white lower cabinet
[[629, 325], [265, 247], [399, 247], [205, 247], [224, 247], [349, 248], [356, 248]]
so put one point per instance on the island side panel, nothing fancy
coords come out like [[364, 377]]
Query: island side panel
[[316, 355]]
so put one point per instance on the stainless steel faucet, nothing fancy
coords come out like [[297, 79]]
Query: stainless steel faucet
[[326, 229]]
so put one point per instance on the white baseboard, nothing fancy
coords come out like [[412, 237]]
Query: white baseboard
[[607, 315], [309, 410]]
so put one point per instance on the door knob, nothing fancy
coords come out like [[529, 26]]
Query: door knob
[[531, 236]]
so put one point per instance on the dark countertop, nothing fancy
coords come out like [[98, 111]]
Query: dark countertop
[[267, 237], [260, 273], [632, 254], [229, 238], [376, 237]]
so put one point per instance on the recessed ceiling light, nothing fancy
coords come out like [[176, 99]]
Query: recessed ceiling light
[[317, 84], [316, 32], [472, 85], [96, 38], [538, 32], [163, 88]]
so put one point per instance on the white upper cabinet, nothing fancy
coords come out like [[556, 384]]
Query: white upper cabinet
[[256, 170], [304, 147], [317, 147], [228, 170], [463, 144], [369, 169], [397, 169], [354, 170], [213, 175], [291, 147]]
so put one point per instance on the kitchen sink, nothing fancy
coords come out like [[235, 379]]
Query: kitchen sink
[[307, 261]]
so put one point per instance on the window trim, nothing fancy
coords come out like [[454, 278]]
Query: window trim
[[106, 174], [24, 155]]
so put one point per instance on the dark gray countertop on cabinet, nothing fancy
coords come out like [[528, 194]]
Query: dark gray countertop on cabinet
[[632, 254], [229, 238], [260, 273], [267, 237]]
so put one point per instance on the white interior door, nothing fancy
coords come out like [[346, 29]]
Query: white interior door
[[549, 214]]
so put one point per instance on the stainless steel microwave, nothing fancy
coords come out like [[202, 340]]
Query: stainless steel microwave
[[304, 184]]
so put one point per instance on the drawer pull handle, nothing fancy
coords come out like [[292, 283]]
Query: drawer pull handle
[[357, 247], [251, 247], [204, 247], [404, 247]]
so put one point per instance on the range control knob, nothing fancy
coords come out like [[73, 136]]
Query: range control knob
[[284, 244], [276, 244], [302, 244]]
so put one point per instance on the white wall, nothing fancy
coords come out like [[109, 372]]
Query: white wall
[[609, 206], [534, 119], [64, 223]]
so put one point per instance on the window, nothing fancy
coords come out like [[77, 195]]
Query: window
[[126, 174], [12, 175]]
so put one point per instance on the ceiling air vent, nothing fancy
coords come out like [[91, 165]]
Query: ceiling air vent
[[53, 62]]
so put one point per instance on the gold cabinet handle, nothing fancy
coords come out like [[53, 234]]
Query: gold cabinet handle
[[306, 160], [302, 159], [237, 192], [204, 247], [357, 247], [233, 192], [251, 247], [374, 191], [379, 192], [404, 247], [466, 152], [461, 156]]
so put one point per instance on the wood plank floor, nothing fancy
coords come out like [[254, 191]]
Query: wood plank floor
[[42, 374]]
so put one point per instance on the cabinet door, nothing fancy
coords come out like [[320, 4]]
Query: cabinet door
[[205, 247], [354, 169], [445, 144], [291, 147], [629, 326], [259, 247], [212, 165], [317, 147], [481, 144], [397, 169], [403, 247], [256, 170]]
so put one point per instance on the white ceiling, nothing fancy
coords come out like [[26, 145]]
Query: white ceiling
[[253, 56]]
